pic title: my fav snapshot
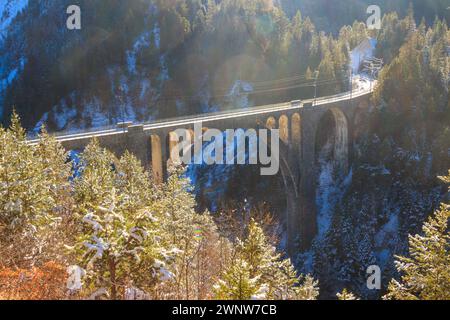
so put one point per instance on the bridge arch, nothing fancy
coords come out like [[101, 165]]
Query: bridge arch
[[296, 131], [271, 123], [332, 139], [174, 150], [283, 125]]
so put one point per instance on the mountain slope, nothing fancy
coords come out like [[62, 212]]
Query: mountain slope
[[9, 9], [151, 59]]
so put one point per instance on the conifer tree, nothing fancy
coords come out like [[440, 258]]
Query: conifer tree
[[117, 245], [33, 184], [184, 233], [426, 272], [346, 295], [277, 276], [237, 283]]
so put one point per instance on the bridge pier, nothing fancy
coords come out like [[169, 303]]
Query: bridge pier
[[137, 143], [307, 193], [158, 157]]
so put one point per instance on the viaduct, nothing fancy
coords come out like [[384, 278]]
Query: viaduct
[[298, 123]]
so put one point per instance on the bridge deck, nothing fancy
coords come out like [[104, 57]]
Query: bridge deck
[[217, 116]]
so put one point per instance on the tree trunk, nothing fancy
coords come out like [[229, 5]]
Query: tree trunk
[[112, 275]]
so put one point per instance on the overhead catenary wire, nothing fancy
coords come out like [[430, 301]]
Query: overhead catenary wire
[[226, 94]]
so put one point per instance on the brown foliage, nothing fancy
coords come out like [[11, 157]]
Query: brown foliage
[[45, 283]]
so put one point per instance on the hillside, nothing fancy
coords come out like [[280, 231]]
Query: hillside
[[145, 60], [331, 15], [127, 63]]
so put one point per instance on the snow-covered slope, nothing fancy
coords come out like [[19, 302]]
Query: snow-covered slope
[[9, 9], [363, 51]]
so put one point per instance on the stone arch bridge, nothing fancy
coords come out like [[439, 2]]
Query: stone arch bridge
[[298, 122]]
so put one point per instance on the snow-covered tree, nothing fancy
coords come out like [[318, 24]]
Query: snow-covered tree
[[33, 194], [276, 277], [308, 289], [426, 272], [346, 295], [117, 244], [237, 283], [196, 249]]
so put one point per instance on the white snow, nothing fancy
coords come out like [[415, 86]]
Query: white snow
[[75, 278], [138, 234], [142, 42], [363, 51], [62, 114], [93, 111], [99, 246], [7, 75], [145, 87], [102, 292], [385, 237], [162, 273], [376, 170], [261, 294], [331, 189], [238, 94], [325, 198], [329, 192], [136, 294], [11, 76], [90, 219]]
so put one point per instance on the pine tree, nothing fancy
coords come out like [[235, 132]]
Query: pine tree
[[237, 283], [255, 249], [184, 233], [56, 228], [276, 275], [426, 273], [33, 181], [327, 75], [346, 295], [308, 288], [58, 169], [117, 245]]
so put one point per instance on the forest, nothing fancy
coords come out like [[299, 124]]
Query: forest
[[166, 59], [98, 226], [103, 229]]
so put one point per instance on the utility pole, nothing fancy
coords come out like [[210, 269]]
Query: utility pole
[[316, 76]]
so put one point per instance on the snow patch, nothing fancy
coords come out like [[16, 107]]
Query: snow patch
[[61, 114], [162, 273], [142, 42], [363, 51], [330, 190], [238, 94], [387, 235], [9, 9], [136, 294]]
